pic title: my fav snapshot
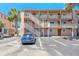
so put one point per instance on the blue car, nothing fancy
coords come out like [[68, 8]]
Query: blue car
[[28, 38]]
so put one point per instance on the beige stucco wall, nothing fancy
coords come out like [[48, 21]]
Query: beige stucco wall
[[54, 32], [67, 32]]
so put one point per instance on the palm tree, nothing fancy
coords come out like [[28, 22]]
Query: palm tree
[[69, 7], [1, 26], [14, 17]]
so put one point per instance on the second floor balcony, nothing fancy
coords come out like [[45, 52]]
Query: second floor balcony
[[54, 25], [53, 16], [43, 16], [77, 16], [69, 25]]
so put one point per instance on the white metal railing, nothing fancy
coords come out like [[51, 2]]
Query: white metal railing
[[30, 28], [37, 15], [77, 25], [66, 16], [54, 25], [53, 16], [43, 24], [33, 18], [77, 16], [68, 25], [43, 16]]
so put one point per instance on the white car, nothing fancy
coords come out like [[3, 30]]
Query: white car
[[1, 35]]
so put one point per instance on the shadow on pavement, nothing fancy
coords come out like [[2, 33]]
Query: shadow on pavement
[[28, 44], [7, 37], [1, 38], [71, 38]]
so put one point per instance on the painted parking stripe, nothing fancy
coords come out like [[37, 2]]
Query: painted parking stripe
[[34, 46], [59, 53], [59, 42], [52, 45], [40, 43], [75, 44]]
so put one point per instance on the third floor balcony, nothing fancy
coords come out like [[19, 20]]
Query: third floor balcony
[[53, 16], [66, 16]]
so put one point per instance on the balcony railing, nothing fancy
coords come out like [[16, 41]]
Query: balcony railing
[[66, 16], [67, 25], [43, 16], [33, 18], [53, 16], [54, 25], [30, 28], [77, 16], [43, 24]]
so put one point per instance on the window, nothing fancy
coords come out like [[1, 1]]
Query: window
[[51, 22], [27, 14], [50, 30], [64, 22], [64, 30], [5, 30], [51, 14]]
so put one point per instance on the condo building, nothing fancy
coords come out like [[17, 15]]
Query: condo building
[[48, 23], [9, 27]]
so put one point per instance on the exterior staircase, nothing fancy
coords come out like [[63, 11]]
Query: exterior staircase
[[36, 21]]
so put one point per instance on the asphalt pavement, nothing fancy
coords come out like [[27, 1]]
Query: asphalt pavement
[[45, 46]]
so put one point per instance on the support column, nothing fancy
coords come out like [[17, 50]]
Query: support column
[[48, 29], [72, 32]]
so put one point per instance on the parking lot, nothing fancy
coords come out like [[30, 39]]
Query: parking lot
[[45, 46]]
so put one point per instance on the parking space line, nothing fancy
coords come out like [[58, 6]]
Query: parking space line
[[59, 53], [75, 44], [34, 46], [60, 42], [40, 43], [52, 45]]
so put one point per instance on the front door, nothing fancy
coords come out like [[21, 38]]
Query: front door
[[59, 32]]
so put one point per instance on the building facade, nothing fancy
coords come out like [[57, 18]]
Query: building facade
[[9, 27], [50, 22]]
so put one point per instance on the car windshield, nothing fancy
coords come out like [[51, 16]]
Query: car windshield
[[28, 35]]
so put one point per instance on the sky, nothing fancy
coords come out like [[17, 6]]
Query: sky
[[5, 7]]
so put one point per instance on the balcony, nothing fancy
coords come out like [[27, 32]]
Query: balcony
[[54, 25], [37, 15], [66, 16], [44, 24], [43, 16], [78, 25], [67, 25], [77, 16], [54, 16]]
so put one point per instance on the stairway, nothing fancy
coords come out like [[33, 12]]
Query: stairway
[[34, 19], [31, 29]]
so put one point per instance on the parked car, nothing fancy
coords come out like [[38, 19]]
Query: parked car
[[28, 38], [1, 35]]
